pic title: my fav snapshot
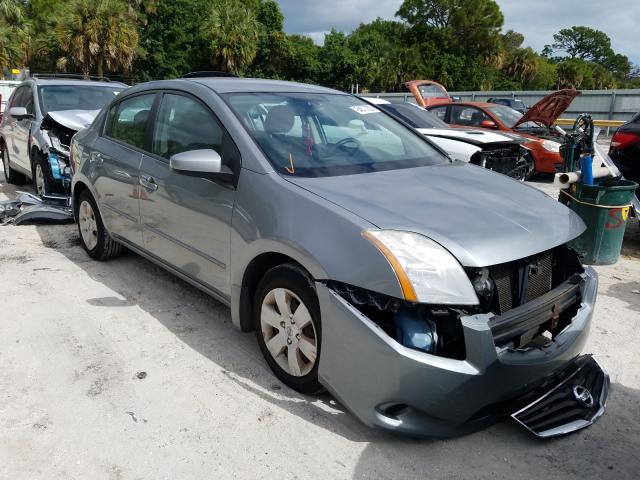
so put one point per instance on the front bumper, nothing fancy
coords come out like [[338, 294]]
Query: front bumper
[[393, 387]]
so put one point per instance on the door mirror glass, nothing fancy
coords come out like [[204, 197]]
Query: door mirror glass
[[18, 112], [205, 163]]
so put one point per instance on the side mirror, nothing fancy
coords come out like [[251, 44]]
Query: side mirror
[[205, 163], [19, 113], [488, 124], [455, 99]]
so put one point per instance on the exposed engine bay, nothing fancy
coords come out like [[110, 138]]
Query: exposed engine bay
[[532, 300]]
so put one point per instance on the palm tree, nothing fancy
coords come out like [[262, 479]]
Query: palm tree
[[97, 34], [11, 11], [231, 30], [11, 34]]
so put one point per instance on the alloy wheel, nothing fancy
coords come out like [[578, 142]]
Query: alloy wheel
[[40, 185], [5, 163], [288, 331], [88, 225]]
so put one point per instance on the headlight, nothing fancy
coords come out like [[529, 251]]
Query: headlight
[[427, 272], [551, 146], [55, 142]]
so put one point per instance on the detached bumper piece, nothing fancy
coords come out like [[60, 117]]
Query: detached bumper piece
[[575, 403], [27, 208]]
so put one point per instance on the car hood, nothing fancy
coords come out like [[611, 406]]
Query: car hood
[[474, 137], [549, 108], [75, 120], [481, 217]]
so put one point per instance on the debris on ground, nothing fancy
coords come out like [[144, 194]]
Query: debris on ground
[[27, 208]]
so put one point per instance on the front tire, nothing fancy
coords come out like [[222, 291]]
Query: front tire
[[13, 177], [288, 328], [94, 238], [43, 182]]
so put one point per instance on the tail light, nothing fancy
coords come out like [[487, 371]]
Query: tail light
[[622, 140]]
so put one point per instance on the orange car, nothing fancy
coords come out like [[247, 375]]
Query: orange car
[[535, 126]]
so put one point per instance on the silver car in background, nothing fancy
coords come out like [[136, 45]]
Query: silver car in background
[[429, 296]]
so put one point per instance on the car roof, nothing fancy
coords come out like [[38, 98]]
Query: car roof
[[73, 81], [232, 84]]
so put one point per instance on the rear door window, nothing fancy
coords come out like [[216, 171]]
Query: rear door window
[[440, 112], [464, 115], [127, 120], [17, 100]]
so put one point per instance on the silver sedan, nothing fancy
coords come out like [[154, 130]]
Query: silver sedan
[[429, 296]]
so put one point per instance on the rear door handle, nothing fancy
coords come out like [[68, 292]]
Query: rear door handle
[[148, 182]]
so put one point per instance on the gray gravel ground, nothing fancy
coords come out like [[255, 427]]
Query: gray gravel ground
[[76, 334]]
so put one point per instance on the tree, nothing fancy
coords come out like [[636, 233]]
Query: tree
[[231, 31], [582, 42], [170, 40], [12, 35], [273, 46], [11, 11], [469, 27], [574, 73], [303, 62], [98, 34]]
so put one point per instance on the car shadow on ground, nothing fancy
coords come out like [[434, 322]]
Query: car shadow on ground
[[204, 325]]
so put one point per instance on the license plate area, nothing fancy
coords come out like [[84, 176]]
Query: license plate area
[[574, 403]]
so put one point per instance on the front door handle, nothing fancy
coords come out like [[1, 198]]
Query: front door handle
[[148, 183]]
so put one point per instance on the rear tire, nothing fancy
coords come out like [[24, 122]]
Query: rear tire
[[12, 176], [94, 238], [287, 323]]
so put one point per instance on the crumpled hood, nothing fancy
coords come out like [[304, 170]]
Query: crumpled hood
[[475, 137], [549, 108], [481, 217], [72, 119]]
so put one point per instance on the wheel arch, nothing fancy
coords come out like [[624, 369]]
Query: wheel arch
[[253, 273], [78, 188]]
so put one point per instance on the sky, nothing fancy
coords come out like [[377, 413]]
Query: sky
[[537, 20]]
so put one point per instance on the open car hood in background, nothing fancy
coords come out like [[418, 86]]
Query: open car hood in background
[[75, 120], [414, 88], [549, 108]]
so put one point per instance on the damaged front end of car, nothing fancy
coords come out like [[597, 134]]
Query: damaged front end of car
[[444, 370], [59, 128], [508, 158]]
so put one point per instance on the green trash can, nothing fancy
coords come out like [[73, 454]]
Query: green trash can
[[604, 209]]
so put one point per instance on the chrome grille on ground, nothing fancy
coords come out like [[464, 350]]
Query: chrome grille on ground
[[575, 403]]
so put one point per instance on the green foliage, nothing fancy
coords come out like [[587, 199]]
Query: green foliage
[[231, 32], [170, 41], [97, 35], [459, 43]]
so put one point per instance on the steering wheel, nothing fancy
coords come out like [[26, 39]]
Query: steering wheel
[[342, 144]]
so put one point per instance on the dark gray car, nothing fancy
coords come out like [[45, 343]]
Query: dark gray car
[[41, 117], [429, 296]]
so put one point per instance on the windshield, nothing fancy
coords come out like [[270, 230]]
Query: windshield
[[317, 134], [414, 115], [519, 104], [506, 115], [75, 97], [432, 91]]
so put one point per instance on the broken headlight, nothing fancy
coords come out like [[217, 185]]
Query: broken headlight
[[426, 271], [56, 144]]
